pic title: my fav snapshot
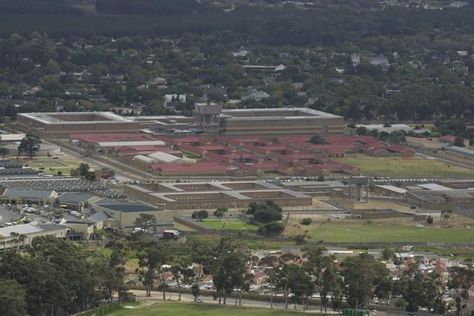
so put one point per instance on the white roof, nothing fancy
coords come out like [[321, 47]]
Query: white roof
[[132, 143], [143, 158], [12, 137], [392, 188], [163, 157], [22, 229], [433, 186]]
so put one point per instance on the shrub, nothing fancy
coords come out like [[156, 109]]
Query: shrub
[[306, 221], [429, 220], [273, 228]]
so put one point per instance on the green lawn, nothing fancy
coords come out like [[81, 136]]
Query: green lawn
[[359, 232], [229, 224], [51, 166], [399, 167], [188, 309]]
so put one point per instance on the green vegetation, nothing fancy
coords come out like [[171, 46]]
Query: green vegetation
[[175, 309], [229, 224], [360, 232], [53, 166], [399, 167]]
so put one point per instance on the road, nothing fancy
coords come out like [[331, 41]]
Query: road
[[448, 161], [122, 172]]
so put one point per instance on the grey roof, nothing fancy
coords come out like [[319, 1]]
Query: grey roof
[[74, 197], [27, 194], [98, 217], [462, 150], [22, 229], [80, 221], [124, 206], [49, 226]]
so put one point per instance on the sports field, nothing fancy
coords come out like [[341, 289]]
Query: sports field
[[229, 224], [51, 166], [406, 168], [189, 309], [363, 231]]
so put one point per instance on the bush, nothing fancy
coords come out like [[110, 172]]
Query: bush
[[429, 220], [300, 239], [273, 228], [265, 212], [306, 221], [318, 140]]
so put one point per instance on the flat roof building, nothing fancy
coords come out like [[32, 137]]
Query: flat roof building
[[210, 195], [65, 123], [266, 121]]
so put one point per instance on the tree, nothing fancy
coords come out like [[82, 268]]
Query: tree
[[306, 221], [273, 228], [200, 215], [219, 213], [195, 291], [361, 274], [145, 221], [29, 144], [265, 212], [12, 298], [387, 254], [228, 268], [317, 139]]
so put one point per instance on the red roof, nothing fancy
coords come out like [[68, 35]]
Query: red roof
[[200, 167]]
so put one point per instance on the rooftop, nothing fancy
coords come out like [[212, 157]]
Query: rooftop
[[56, 118]]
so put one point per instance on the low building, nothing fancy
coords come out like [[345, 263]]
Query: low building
[[21, 235], [126, 212], [28, 196], [76, 200]]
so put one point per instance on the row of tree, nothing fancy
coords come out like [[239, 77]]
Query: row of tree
[[57, 277]]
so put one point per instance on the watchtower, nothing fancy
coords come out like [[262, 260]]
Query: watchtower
[[359, 189], [207, 117]]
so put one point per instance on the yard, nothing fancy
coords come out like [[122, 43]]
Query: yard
[[365, 231], [52, 166], [175, 309], [406, 168], [229, 224]]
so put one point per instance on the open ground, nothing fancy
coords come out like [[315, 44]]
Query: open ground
[[229, 224], [172, 309], [383, 231], [406, 168]]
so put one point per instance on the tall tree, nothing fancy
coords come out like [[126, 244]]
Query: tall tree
[[29, 144], [12, 298]]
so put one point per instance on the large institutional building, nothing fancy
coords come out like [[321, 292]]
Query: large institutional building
[[208, 118], [211, 195]]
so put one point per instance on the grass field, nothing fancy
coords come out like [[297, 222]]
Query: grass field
[[187, 309], [230, 224], [360, 232], [51, 166], [407, 168]]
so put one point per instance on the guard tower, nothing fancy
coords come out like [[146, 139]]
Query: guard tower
[[207, 117], [359, 189]]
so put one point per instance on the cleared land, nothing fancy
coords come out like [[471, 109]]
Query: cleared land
[[229, 224], [406, 168], [174, 309], [364, 231]]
